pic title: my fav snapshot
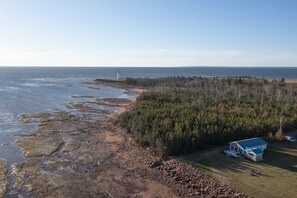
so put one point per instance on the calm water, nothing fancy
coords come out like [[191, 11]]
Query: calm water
[[28, 90]]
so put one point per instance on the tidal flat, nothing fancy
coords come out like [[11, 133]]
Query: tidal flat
[[82, 154]]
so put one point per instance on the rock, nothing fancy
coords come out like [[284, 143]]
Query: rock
[[156, 164], [3, 177], [40, 146]]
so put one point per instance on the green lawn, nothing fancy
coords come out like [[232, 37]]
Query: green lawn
[[278, 170]]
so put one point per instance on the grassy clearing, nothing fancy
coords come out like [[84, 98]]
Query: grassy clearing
[[289, 81], [205, 168], [278, 170]]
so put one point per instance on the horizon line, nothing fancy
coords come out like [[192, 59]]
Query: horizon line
[[129, 66]]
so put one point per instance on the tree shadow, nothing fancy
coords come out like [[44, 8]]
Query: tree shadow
[[279, 155], [215, 159]]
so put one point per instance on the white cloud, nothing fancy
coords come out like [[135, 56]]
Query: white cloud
[[153, 57]]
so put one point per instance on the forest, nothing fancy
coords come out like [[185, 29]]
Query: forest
[[180, 115]]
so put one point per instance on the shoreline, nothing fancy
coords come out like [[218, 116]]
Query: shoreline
[[67, 156], [64, 153]]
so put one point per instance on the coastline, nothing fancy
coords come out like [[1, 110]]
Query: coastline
[[68, 156]]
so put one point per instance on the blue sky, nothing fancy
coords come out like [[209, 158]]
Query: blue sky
[[148, 32]]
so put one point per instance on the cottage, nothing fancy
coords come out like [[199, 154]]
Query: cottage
[[252, 148]]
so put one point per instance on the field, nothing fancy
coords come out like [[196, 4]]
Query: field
[[277, 172]]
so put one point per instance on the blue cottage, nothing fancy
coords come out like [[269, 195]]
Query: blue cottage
[[252, 148]]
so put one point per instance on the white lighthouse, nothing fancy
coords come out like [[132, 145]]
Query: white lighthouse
[[118, 75]]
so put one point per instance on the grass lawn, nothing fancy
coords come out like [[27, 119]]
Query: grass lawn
[[278, 170]]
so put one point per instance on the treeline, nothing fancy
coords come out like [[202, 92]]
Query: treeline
[[187, 114]]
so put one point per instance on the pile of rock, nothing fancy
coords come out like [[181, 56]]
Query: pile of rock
[[188, 181]]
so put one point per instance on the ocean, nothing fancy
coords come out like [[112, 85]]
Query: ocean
[[36, 89]]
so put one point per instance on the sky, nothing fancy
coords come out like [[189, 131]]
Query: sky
[[148, 33]]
